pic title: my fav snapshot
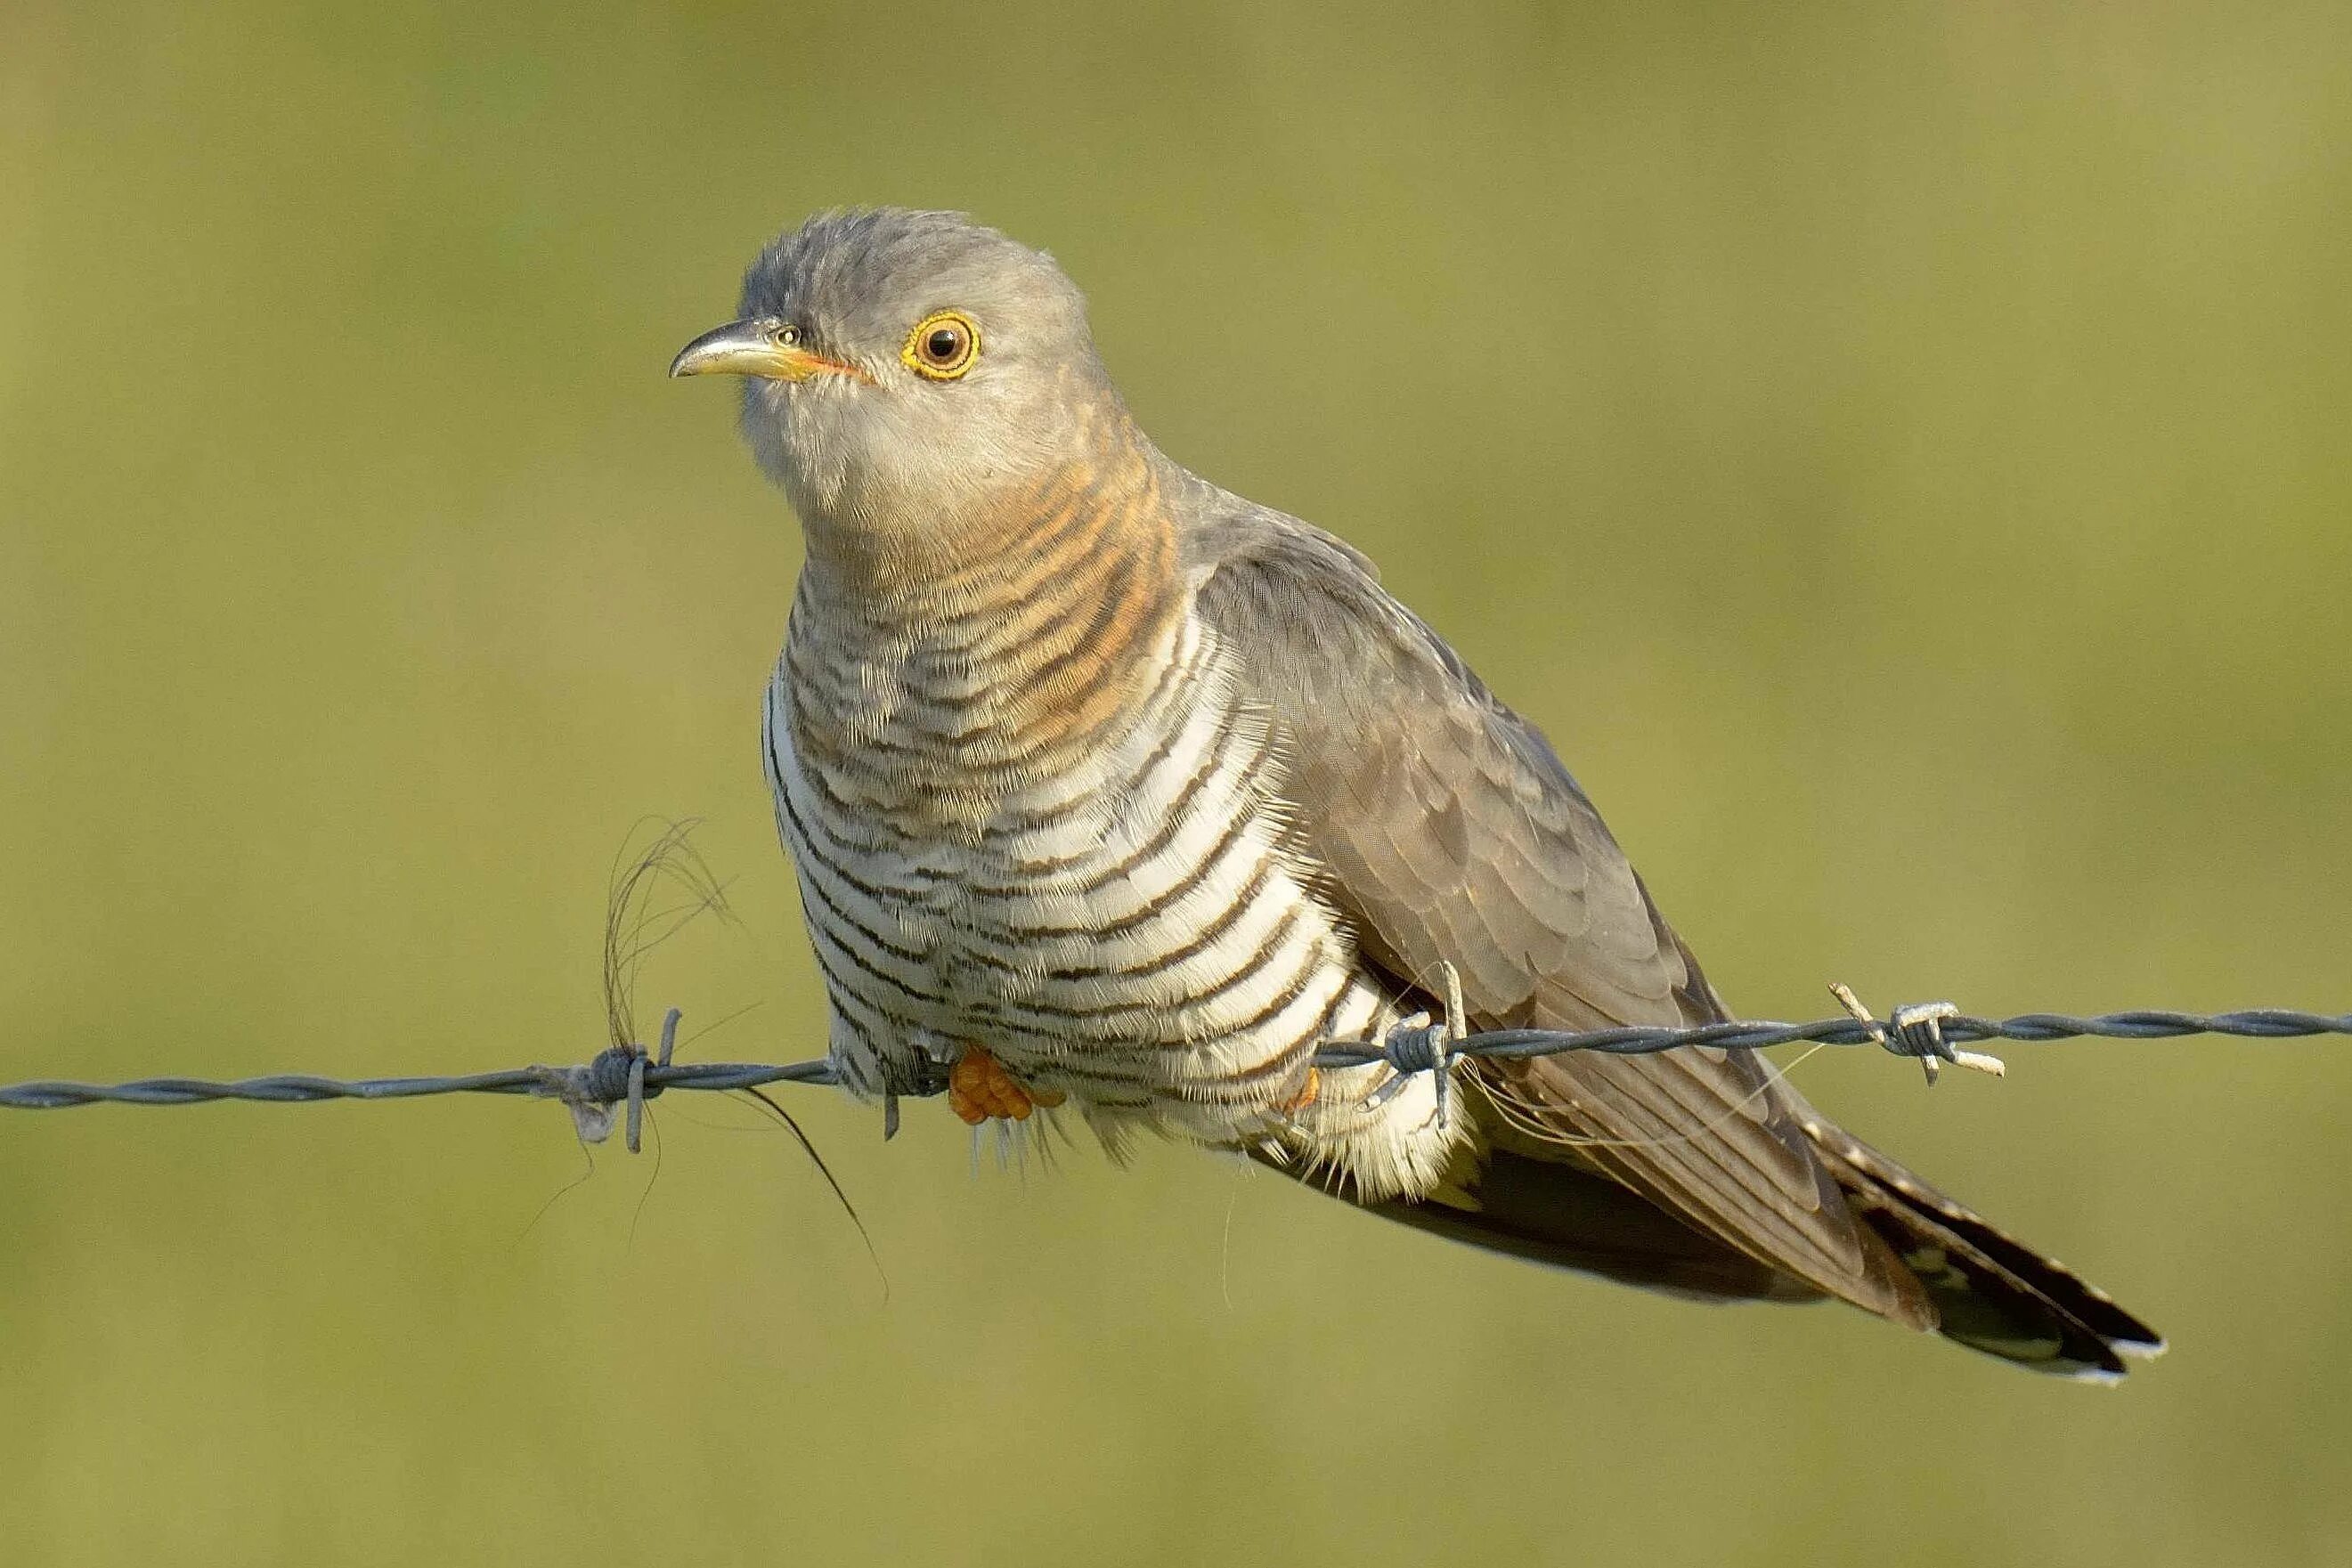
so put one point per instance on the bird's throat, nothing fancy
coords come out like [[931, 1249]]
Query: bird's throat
[[997, 657]]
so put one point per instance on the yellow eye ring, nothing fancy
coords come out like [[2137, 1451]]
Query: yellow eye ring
[[943, 346]]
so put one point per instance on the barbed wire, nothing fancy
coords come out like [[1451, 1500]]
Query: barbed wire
[[627, 1075]]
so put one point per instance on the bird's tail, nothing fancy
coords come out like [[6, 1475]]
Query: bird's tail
[[1991, 1292], [1982, 1287]]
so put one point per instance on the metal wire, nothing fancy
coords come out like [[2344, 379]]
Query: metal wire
[[629, 1074], [291, 1088]]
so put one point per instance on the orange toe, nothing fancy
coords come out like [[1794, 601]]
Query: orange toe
[[979, 1089]]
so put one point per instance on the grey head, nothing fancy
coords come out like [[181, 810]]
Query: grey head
[[902, 368]]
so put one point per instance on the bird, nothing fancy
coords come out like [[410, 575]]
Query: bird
[[1109, 789]]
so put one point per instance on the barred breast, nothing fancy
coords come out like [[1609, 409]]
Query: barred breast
[[1118, 909]]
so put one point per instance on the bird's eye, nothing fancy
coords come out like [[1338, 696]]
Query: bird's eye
[[788, 335], [942, 346]]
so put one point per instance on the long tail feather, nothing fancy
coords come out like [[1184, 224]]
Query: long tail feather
[[1991, 1293]]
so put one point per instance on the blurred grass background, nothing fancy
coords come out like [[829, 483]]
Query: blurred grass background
[[1899, 451]]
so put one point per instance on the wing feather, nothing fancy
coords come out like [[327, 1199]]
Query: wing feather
[[1450, 830]]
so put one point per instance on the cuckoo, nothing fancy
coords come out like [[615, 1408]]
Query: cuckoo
[[1108, 787]]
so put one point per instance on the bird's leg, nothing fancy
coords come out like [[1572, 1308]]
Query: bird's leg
[[980, 1089]]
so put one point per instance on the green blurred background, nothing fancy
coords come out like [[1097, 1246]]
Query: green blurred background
[[1900, 452]]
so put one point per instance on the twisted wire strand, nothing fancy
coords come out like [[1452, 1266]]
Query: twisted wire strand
[[2257, 1023], [606, 1080], [295, 1089]]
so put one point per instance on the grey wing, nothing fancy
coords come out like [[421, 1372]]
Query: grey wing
[[1450, 830]]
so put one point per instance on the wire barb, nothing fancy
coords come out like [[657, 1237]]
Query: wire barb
[[614, 1076], [1917, 1031], [1419, 1044]]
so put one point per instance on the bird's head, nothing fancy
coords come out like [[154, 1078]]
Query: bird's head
[[901, 369]]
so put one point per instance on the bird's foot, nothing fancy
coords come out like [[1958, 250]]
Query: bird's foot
[[979, 1089]]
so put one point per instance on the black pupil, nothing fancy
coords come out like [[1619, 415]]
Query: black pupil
[[944, 342]]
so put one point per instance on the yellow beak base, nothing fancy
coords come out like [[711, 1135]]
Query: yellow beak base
[[752, 347]]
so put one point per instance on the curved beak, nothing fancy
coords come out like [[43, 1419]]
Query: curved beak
[[753, 347]]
